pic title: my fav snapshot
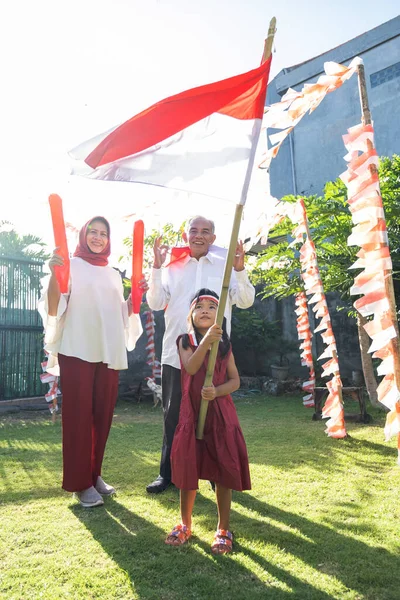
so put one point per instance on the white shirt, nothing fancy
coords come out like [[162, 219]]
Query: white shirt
[[92, 320], [174, 286]]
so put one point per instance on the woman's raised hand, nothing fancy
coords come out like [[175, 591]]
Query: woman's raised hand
[[160, 252], [144, 286], [55, 260]]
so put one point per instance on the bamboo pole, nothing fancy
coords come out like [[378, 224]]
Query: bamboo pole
[[367, 120], [228, 267]]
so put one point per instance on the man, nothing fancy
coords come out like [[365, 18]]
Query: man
[[173, 288]]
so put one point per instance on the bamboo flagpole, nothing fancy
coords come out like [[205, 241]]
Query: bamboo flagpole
[[230, 257]]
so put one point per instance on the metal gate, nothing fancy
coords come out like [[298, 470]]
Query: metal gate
[[21, 330]]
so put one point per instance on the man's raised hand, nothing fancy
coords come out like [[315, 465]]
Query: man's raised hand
[[238, 261], [160, 252]]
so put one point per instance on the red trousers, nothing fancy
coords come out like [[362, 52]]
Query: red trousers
[[89, 394]]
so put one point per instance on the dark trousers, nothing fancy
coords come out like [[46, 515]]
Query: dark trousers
[[89, 395], [171, 399]]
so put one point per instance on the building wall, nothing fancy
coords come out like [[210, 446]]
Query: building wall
[[314, 153]]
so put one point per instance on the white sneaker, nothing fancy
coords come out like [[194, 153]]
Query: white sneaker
[[90, 498], [103, 488]]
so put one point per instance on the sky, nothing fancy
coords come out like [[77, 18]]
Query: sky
[[71, 70]]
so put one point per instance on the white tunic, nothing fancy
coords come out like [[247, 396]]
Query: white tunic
[[174, 286], [92, 320]]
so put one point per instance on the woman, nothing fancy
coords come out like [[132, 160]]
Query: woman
[[86, 331]]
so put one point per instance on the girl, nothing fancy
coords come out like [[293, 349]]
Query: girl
[[221, 456]]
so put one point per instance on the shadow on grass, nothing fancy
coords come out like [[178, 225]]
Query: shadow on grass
[[157, 571], [40, 467], [325, 549]]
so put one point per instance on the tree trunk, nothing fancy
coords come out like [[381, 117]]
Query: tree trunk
[[366, 360]]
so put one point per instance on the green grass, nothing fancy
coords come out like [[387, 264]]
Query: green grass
[[321, 522]]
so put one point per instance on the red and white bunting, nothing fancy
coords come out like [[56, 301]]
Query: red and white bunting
[[369, 232], [151, 355], [304, 334], [53, 392], [333, 409], [294, 105]]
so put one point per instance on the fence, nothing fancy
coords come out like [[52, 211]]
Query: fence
[[21, 331]]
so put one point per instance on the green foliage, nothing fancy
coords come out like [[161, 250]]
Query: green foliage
[[19, 280], [253, 331], [257, 341], [20, 246], [278, 268], [389, 174]]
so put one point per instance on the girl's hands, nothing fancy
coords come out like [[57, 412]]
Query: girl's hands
[[214, 334], [55, 260], [208, 393]]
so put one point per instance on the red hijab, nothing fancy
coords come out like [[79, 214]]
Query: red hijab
[[83, 251]]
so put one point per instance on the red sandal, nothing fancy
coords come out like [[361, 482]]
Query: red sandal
[[179, 535], [223, 540]]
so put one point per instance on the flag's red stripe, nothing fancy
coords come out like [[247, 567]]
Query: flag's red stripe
[[241, 97]]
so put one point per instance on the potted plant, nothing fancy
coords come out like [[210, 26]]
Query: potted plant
[[280, 364]]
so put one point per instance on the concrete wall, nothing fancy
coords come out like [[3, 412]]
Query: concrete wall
[[345, 331], [314, 153]]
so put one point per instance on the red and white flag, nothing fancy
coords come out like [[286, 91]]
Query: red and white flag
[[202, 140]]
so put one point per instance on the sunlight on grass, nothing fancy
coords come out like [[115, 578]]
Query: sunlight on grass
[[149, 458], [320, 522]]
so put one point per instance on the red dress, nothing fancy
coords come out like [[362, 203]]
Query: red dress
[[221, 456]]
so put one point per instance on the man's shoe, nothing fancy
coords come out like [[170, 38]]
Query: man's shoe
[[103, 488], [159, 485], [90, 498]]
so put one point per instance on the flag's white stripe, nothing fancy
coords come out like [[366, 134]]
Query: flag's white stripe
[[212, 157]]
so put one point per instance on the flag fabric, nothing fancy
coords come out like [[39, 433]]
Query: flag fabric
[[202, 140]]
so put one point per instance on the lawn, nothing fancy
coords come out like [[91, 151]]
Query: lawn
[[321, 522]]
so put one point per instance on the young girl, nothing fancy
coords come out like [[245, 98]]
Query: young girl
[[221, 455]]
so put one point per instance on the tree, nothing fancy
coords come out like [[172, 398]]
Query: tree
[[278, 268], [20, 246], [21, 275]]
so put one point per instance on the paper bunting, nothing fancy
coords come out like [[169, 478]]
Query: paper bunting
[[369, 232], [151, 356], [294, 105], [304, 333], [333, 409], [365, 202], [53, 392]]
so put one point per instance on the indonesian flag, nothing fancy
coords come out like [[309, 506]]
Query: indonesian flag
[[202, 140]]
